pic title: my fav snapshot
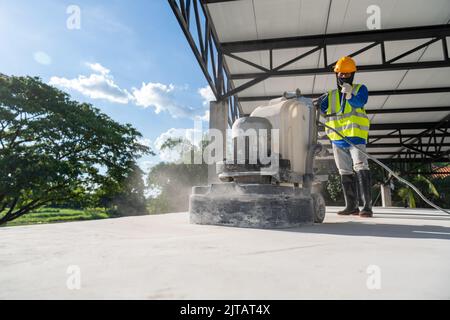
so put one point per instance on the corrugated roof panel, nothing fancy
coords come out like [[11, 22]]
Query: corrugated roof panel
[[284, 18], [248, 107], [371, 56], [433, 52], [350, 16], [426, 78], [418, 100], [375, 102], [255, 90], [409, 13], [268, 18], [323, 83], [279, 85], [234, 20], [378, 102], [373, 80], [276, 86], [263, 19], [282, 56], [248, 20], [260, 58], [380, 80], [396, 48]]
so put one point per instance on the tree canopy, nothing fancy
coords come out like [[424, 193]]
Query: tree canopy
[[53, 148]]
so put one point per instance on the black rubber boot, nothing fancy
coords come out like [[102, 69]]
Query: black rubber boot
[[365, 186], [349, 188]]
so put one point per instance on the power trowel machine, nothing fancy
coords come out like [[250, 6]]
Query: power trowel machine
[[269, 180]]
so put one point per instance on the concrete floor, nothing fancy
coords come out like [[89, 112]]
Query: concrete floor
[[400, 253]]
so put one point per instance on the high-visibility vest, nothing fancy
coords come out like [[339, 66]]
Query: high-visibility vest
[[352, 122]]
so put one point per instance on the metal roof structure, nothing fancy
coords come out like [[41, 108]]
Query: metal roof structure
[[252, 51]]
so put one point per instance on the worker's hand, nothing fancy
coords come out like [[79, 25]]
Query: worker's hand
[[347, 90]]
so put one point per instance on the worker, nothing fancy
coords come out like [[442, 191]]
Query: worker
[[344, 111]]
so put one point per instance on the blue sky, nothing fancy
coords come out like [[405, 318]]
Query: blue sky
[[129, 58]]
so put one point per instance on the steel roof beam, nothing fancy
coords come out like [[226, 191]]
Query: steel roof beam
[[327, 70], [216, 1], [371, 93], [397, 136], [406, 125], [444, 123], [397, 145], [400, 160], [408, 110], [421, 32]]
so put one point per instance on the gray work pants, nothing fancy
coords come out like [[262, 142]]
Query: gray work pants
[[350, 159]]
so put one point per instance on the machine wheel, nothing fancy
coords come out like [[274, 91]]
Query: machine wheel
[[319, 207]]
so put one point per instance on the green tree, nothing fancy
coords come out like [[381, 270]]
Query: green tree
[[442, 184], [53, 149], [334, 187], [426, 186], [126, 197], [174, 181]]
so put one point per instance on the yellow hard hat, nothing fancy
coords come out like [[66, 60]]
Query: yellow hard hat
[[345, 65]]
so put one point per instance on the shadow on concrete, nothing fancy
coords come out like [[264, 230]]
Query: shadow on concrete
[[412, 216], [351, 228], [400, 214]]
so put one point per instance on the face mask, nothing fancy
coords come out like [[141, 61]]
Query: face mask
[[341, 81]]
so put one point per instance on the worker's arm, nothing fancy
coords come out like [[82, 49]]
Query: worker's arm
[[324, 105], [360, 99]]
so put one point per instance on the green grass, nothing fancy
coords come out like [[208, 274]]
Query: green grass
[[54, 215]]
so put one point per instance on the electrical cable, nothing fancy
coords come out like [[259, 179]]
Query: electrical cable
[[387, 169]]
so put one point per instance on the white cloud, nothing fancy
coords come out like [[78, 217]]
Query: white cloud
[[152, 94], [204, 117], [160, 97], [207, 95], [97, 67], [99, 85]]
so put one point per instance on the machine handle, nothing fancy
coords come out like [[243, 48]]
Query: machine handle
[[317, 102]]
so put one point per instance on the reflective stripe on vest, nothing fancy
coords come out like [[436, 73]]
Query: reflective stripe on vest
[[352, 122]]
